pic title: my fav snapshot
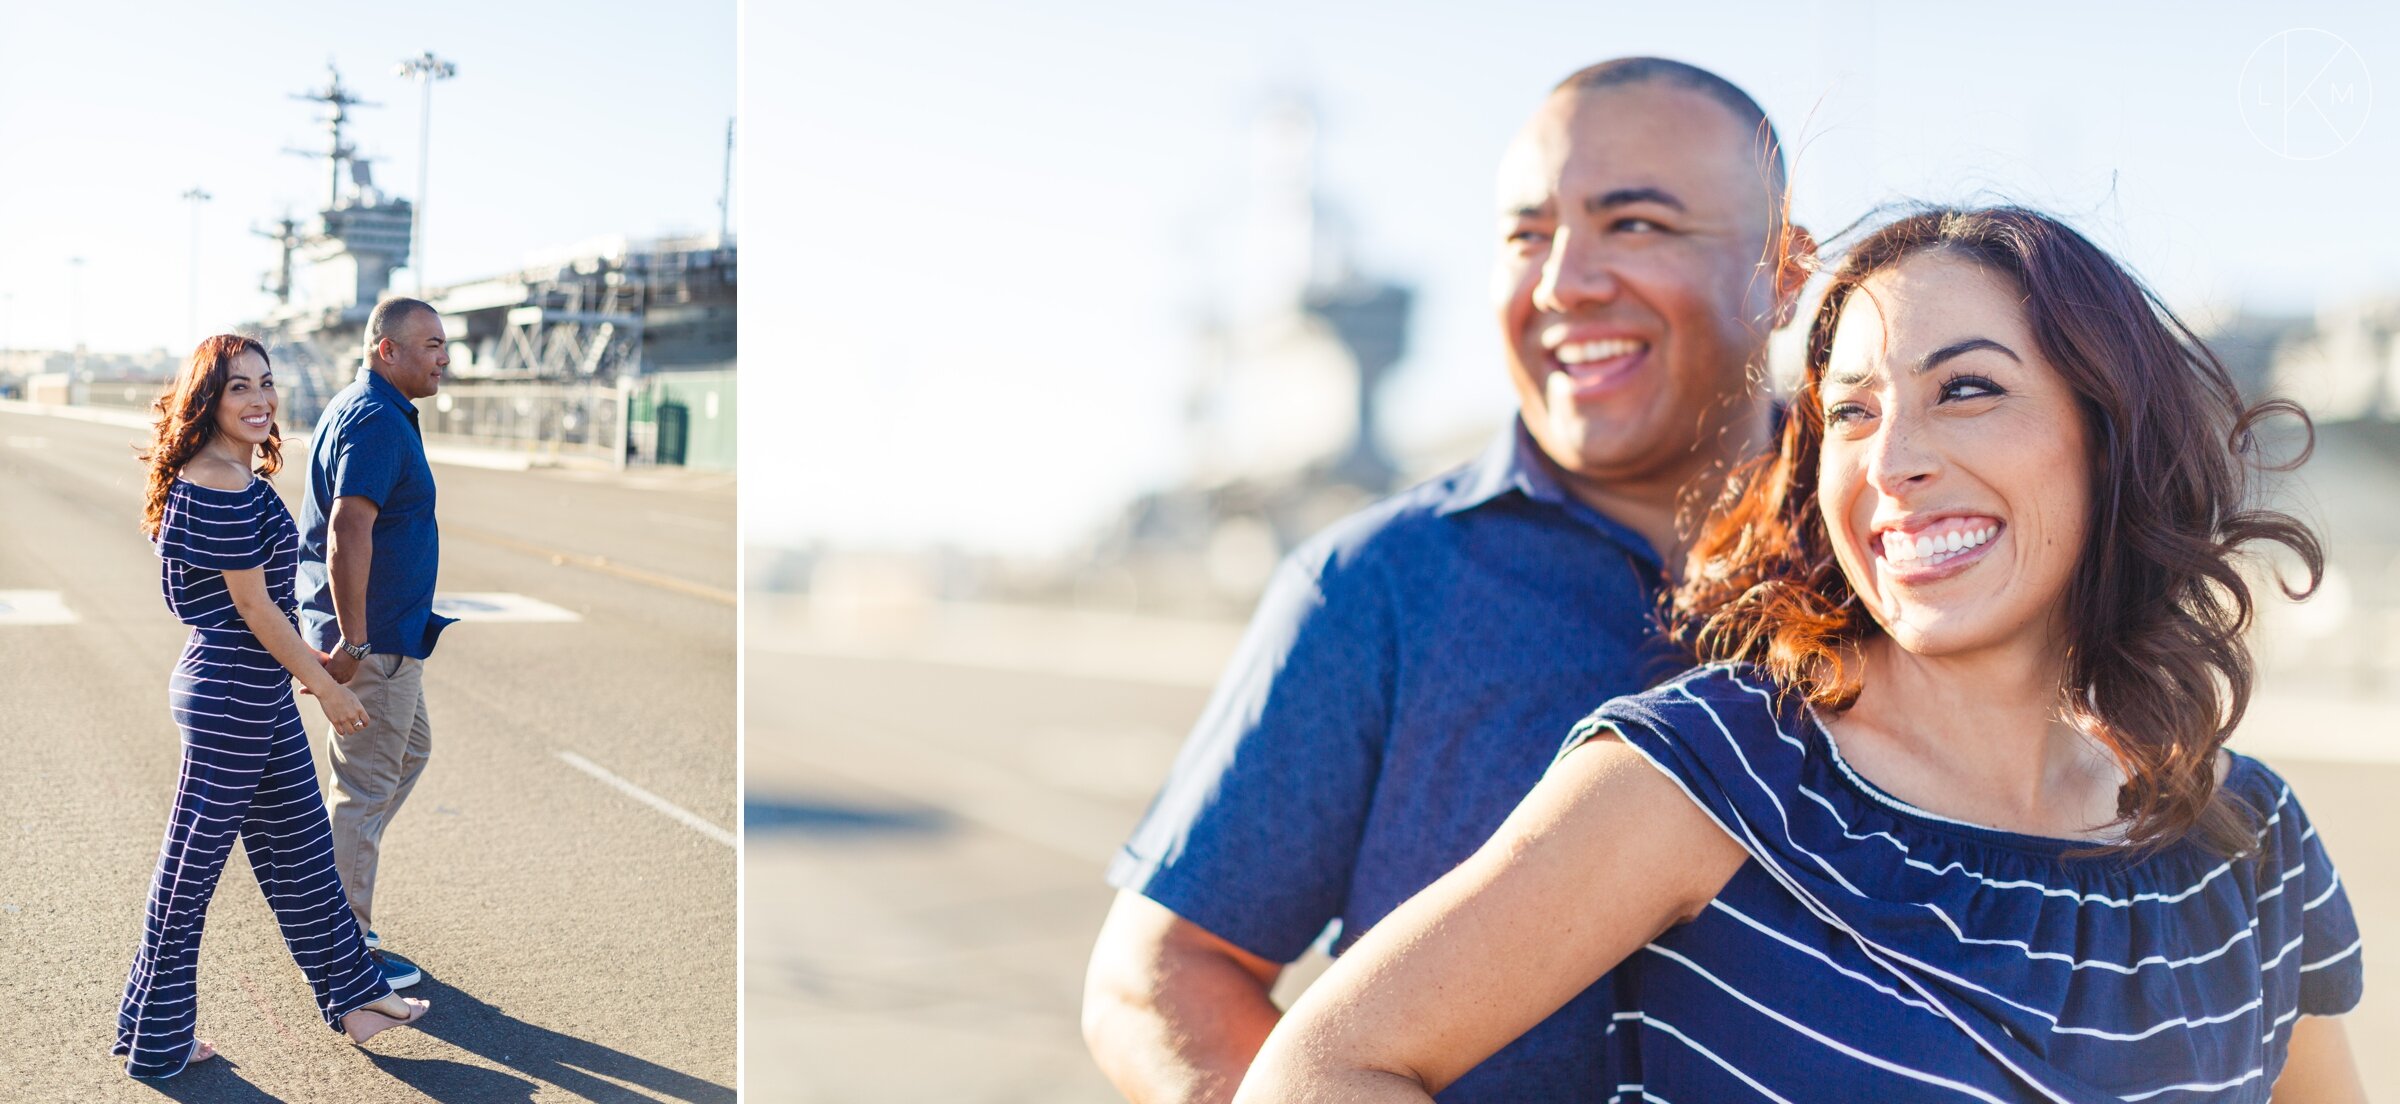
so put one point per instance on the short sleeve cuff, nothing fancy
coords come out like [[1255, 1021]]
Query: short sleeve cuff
[[212, 530], [366, 461], [2334, 986], [1215, 908]]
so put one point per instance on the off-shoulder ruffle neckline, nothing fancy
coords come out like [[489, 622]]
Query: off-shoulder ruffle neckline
[[247, 488], [2088, 854]]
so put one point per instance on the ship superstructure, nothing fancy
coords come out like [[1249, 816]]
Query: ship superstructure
[[335, 266], [567, 354]]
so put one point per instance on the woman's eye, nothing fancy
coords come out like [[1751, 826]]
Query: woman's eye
[[1969, 387], [1529, 237], [1839, 413]]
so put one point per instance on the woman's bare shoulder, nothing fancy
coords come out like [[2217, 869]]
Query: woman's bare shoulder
[[215, 473], [1613, 796]]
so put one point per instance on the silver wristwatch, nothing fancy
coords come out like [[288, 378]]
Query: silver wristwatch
[[357, 651]]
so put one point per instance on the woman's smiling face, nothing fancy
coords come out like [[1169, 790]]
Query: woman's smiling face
[[1955, 477], [246, 408]]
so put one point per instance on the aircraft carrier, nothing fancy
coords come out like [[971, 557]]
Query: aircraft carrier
[[615, 351]]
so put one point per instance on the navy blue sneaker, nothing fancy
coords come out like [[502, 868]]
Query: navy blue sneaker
[[398, 972], [373, 941]]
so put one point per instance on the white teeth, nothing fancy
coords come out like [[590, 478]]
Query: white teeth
[[1933, 548], [1588, 352]]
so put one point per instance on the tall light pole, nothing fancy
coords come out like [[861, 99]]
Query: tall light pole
[[191, 302], [75, 309], [423, 69], [8, 302], [725, 196]]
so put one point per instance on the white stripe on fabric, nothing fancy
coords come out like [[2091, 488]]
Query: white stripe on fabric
[[1720, 905], [2328, 960], [1703, 1051], [1822, 1039], [2075, 963], [2214, 1086], [2285, 882], [2322, 897]]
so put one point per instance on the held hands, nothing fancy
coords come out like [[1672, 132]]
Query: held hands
[[342, 708], [339, 664]]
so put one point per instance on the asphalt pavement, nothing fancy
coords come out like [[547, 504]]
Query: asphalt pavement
[[564, 872]]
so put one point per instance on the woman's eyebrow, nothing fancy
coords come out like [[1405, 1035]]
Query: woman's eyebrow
[[1962, 347]]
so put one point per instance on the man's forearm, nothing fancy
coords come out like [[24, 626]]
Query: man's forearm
[[348, 559], [1176, 1024]]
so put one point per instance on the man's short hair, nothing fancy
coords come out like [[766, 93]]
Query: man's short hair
[[389, 314], [1636, 70]]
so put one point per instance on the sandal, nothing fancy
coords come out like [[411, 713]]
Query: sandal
[[364, 1023]]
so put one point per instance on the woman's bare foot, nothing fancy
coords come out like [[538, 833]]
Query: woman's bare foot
[[202, 1050], [367, 1021]]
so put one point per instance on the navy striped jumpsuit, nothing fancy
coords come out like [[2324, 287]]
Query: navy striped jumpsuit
[[246, 772]]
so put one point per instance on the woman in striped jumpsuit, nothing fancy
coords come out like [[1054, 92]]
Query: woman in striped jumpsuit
[[228, 552]]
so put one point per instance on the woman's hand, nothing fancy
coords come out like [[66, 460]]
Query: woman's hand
[[275, 631], [342, 707]]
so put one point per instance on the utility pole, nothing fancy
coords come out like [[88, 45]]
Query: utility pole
[[424, 69], [191, 302], [725, 195]]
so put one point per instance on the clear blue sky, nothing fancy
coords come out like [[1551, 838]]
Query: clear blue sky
[[980, 220], [565, 122]]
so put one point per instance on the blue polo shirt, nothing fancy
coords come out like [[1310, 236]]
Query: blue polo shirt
[[1407, 678], [367, 444]]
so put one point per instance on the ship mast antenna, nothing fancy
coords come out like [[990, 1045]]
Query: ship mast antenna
[[338, 152]]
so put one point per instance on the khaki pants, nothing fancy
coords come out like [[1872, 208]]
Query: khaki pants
[[375, 768]]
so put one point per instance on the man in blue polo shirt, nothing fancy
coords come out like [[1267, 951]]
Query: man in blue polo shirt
[[369, 552], [1411, 671]]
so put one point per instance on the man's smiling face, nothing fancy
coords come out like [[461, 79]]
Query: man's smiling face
[[1633, 283]]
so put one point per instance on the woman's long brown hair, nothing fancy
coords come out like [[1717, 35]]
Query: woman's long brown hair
[[2156, 666], [187, 420]]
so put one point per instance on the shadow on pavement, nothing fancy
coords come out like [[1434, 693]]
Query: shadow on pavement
[[833, 816], [573, 1064], [217, 1081], [459, 1083]]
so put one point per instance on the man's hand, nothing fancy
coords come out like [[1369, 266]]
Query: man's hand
[[339, 664], [1171, 1011]]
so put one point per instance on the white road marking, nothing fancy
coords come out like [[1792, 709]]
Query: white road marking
[[690, 820], [35, 607], [493, 605]]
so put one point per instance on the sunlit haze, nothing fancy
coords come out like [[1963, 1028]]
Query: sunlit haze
[[564, 124], [997, 218]]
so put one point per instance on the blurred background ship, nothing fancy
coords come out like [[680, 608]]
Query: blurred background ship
[[610, 352]]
